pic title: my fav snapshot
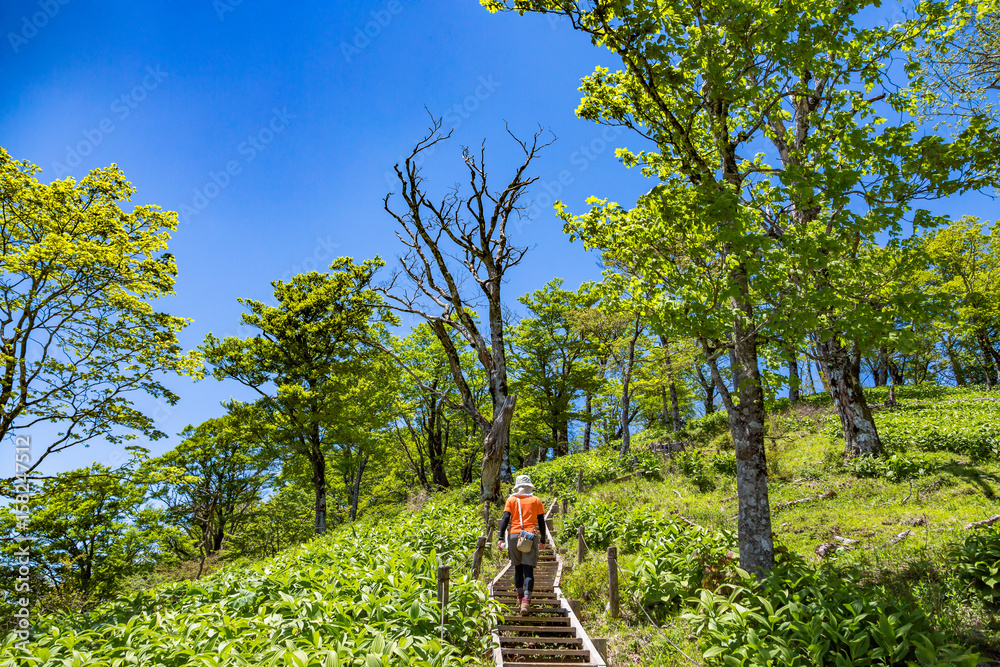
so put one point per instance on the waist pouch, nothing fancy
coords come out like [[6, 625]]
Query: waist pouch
[[525, 541]]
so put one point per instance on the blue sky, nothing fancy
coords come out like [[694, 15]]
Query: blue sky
[[273, 128], [309, 105]]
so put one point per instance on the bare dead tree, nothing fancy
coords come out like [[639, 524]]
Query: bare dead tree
[[449, 241]]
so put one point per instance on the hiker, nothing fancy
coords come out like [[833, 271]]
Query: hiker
[[524, 514]]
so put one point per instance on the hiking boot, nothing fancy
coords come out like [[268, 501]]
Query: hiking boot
[[525, 605]]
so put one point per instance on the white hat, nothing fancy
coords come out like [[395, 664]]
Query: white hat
[[523, 482]]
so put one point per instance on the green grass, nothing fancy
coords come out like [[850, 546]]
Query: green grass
[[936, 484]]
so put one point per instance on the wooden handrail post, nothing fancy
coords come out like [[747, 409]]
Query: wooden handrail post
[[579, 481], [552, 484], [444, 575], [613, 581], [486, 514], [565, 507], [489, 532], [581, 546], [477, 557]]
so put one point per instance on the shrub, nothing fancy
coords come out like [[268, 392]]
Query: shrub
[[802, 616], [601, 523], [977, 562], [892, 468], [695, 466]]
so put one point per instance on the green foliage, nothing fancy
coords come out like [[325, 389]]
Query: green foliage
[[601, 523], [968, 427], [362, 599], [283, 520], [703, 429], [80, 277], [92, 529], [894, 468], [977, 562], [801, 615], [674, 561]]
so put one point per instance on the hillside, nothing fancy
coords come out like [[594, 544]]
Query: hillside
[[362, 596], [886, 535], [875, 563]]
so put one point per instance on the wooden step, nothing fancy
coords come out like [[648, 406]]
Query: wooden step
[[560, 641], [515, 630], [568, 652], [537, 620]]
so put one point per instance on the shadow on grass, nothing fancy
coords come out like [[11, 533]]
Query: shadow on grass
[[974, 475]]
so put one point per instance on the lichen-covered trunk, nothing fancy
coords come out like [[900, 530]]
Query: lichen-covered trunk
[[746, 423], [675, 408], [356, 488], [588, 411], [860, 434], [495, 446]]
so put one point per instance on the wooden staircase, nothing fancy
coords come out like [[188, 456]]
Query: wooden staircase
[[550, 634]]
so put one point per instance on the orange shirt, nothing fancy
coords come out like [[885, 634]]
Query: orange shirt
[[531, 508]]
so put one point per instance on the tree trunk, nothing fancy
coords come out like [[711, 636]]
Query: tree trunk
[[495, 447], [991, 356], [956, 366], [793, 376], [860, 434], [895, 372], [626, 394], [746, 424], [318, 462], [588, 410], [675, 407], [809, 376], [708, 386], [356, 489], [820, 370]]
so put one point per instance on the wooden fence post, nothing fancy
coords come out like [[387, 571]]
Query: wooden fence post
[[602, 647], [477, 557], [565, 507], [443, 580], [489, 533], [486, 514], [613, 581], [581, 546], [552, 484], [579, 481]]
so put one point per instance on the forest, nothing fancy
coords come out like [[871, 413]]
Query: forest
[[780, 402]]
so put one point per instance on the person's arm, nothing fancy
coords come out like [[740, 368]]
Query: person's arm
[[541, 529], [504, 524]]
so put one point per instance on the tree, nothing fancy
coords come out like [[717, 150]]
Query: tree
[[774, 166], [472, 228], [549, 358], [965, 270], [92, 529], [216, 475], [430, 432], [79, 337], [309, 347]]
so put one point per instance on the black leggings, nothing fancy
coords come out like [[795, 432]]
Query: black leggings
[[524, 578]]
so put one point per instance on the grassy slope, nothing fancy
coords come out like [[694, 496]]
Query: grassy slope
[[804, 459], [361, 599]]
